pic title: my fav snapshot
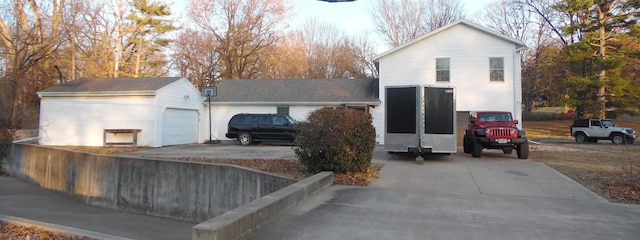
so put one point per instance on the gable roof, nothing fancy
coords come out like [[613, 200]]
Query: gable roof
[[519, 44], [298, 91], [109, 86]]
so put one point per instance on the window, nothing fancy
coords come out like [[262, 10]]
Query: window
[[283, 110], [442, 69], [496, 69], [279, 121]]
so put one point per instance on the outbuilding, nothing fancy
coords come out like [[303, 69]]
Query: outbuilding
[[121, 111], [295, 97]]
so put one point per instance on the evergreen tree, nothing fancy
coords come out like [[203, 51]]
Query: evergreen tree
[[595, 62], [149, 18]]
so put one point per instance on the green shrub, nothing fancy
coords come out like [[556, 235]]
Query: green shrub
[[338, 140]]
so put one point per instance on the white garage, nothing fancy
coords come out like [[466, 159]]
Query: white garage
[[115, 111], [180, 126]]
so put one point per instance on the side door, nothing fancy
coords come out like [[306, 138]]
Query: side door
[[282, 128], [596, 129], [263, 127]]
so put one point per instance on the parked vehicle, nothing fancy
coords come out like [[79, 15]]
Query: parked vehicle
[[249, 128], [494, 130], [592, 130], [420, 119]]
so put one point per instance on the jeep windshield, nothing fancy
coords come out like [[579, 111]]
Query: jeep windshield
[[494, 117]]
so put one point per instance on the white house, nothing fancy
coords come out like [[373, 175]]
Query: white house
[[482, 65], [165, 111]]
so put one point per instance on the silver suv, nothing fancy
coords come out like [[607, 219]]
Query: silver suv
[[592, 130]]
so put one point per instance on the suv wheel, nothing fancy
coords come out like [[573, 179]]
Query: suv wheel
[[617, 139], [477, 148], [523, 150], [244, 138], [581, 137]]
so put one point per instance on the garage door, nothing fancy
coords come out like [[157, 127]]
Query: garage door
[[179, 126]]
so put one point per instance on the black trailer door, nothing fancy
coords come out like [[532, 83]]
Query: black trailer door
[[401, 110], [439, 110]]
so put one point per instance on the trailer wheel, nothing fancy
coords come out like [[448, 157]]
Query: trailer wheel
[[523, 150], [477, 148]]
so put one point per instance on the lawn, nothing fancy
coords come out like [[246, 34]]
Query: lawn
[[613, 171]]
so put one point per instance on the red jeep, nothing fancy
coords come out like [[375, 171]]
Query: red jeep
[[494, 130]]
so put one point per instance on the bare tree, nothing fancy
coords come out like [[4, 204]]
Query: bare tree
[[401, 21], [443, 12], [196, 58], [244, 30], [365, 50], [29, 35]]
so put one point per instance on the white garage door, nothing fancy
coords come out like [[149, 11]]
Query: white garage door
[[179, 126]]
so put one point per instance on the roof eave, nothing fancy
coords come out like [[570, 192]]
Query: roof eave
[[96, 94], [374, 103]]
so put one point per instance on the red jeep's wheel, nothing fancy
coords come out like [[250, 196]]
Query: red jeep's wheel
[[477, 148], [523, 150], [467, 143], [507, 150]]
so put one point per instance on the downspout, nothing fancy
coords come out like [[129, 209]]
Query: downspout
[[516, 101]]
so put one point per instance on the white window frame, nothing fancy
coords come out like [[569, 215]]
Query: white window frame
[[496, 73], [440, 72]]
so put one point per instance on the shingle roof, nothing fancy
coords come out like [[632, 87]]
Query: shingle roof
[[110, 85], [363, 91]]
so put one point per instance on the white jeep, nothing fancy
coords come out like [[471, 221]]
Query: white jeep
[[592, 130]]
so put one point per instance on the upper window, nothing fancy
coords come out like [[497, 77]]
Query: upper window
[[442, 69], [496, 69]]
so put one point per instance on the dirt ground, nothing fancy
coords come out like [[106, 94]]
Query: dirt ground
[[613, 171]]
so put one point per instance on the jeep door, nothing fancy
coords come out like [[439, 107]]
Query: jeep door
[[596, 129]]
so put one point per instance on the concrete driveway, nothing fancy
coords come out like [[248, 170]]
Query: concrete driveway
[[458, 197]]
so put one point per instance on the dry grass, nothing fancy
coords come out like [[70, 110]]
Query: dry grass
[[613, 171]]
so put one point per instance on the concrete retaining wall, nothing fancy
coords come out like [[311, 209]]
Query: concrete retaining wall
[[176, 189], [240, 222]]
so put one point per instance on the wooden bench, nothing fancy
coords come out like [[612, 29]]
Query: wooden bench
[[133, 143]]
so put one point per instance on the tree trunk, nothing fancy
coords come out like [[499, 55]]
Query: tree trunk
[[602, 72]]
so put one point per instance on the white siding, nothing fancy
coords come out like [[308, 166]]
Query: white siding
[[180, 94], [469, 51], [80, 121]]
